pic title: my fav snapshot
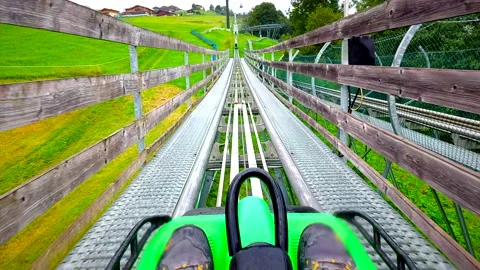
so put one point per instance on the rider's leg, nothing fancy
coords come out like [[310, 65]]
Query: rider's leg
[[188, 248], [319, 248]]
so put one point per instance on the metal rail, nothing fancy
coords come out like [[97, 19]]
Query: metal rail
[[158, 187], [334, 185], [463, 126]]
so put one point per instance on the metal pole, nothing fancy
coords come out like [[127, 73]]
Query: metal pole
[[137, 97], [392, 106], [187, 78], [317, 59], [425, 55], [228, 16], [463, 226], [442, 211], [212, 58], [344, 88]]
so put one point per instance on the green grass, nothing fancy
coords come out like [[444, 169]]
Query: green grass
[[32, 149]]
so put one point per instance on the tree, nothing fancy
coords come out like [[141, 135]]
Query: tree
[[266, 13], [320, 17], [218, 9], [302, 10], [212, 8]]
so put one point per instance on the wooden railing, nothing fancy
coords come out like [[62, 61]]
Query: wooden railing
[[457, 89], [25, 103]]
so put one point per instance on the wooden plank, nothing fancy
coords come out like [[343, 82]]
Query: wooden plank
[[419, 161], [158, 114], [20, 206], [60, 248], [68, 17], [25, 103], [23, 204], [446, 87], [156, 77], [389, 15], [454, 251]]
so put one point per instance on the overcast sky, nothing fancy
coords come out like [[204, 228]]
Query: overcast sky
[[234, 5]]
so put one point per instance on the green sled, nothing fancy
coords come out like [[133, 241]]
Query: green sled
[[249, 222]]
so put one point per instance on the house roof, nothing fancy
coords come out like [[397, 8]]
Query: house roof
[[139, 6], [109, 10], [169, 8], [137, 13]]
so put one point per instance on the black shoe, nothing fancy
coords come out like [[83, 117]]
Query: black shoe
[[188, 248], [320, 249]]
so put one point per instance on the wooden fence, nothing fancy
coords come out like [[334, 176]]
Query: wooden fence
[[25, 103], [457, 89]]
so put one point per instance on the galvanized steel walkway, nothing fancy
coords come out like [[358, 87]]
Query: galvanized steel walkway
[[335, 185], [156, 189]]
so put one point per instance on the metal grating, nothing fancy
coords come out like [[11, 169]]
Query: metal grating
[[155, 190], [336, 186]]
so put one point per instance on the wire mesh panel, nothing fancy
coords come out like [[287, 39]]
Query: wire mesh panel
[[455, 134]]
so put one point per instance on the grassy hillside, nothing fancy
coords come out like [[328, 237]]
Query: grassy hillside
[[30, 54]]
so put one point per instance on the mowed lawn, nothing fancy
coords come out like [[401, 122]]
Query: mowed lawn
[[31, 54]]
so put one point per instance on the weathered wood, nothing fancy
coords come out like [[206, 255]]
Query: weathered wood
[[454, 251], [23, 204], [389, 15], [25, 103], [68, 17], [158, 114], [26, 202], [447, 87], [60, 248], [459, 183]]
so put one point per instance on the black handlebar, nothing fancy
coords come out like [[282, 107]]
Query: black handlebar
[[279, 210]]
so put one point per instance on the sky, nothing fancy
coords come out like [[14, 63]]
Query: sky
[[234, 5]]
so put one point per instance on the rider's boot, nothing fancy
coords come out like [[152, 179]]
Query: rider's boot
[[188, 248], [319, 248]]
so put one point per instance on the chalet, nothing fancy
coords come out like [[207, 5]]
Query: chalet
[[198, 7], [190, 11], [137, 11], [163, 13], [170, 9], [110, 12]]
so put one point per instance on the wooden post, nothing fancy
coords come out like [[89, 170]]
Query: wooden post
[[187, 78], [263, 69], [137, 97], [289, 73], [273, 69], [204, 72]]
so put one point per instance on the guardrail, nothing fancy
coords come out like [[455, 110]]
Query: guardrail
[[25, 103], [452, 88]]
